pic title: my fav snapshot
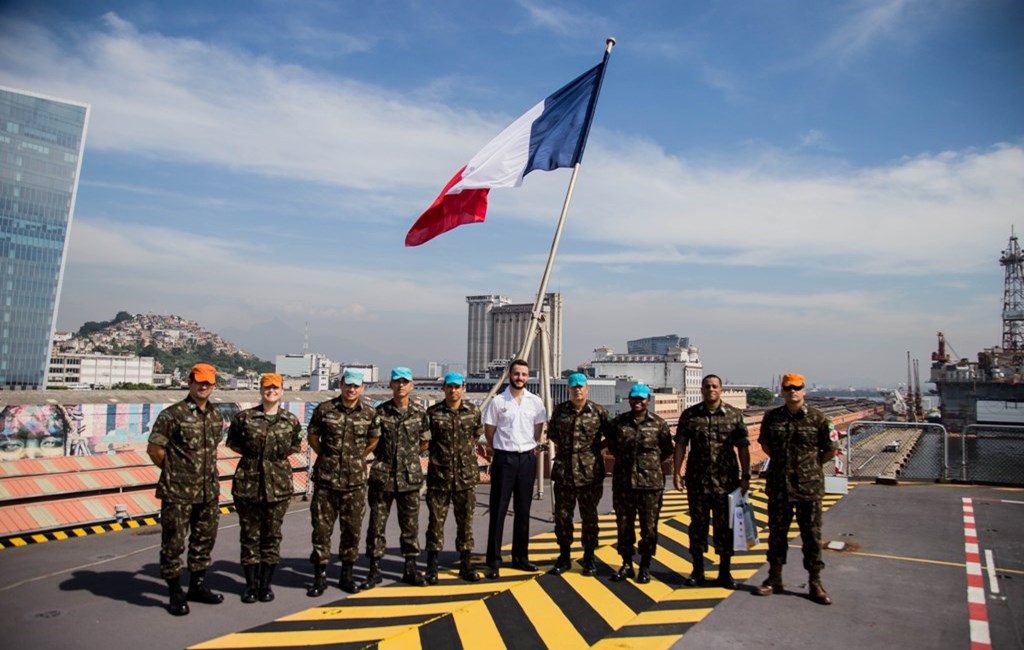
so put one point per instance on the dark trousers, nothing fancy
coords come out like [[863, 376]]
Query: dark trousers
[[512, 477]]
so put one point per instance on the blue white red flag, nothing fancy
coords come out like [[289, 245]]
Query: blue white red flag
[[550, 135]]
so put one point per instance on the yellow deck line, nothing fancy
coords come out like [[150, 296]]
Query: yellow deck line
[[637, 643], [477, 624], [664, 616], [607, 605], [547, 618], [301, 638]]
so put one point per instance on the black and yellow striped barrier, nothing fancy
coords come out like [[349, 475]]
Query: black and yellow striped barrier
[[81, 531]]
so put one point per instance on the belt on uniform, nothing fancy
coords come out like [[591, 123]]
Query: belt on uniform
[[515, 453]]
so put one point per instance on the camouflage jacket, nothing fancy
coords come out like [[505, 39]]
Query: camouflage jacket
[[189, 437], [264, 471], [578, 436], [344, 435], [396, 460], [640, 448], [713, 437], [795, 442], [453, 440]]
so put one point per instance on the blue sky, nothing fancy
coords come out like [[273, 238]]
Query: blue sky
[[815, 187]]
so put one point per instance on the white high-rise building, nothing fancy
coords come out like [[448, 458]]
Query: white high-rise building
[[434, 370], [295, 365], [680, 368], [497, 329], [98, 370]]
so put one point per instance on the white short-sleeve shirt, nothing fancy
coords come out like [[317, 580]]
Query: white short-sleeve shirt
[[514, 421]]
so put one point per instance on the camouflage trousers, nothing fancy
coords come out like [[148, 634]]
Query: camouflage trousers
[[808, 518], [347, 508], [708, 508], [566, 498], [259, 529], [630, 505], [408, 505], [198, 521], [463, 502]]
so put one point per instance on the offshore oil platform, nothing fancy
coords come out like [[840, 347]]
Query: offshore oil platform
[[991, 389]]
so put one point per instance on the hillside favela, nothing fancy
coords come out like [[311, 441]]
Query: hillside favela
[[742, 417]]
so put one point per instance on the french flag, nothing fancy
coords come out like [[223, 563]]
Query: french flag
[[550, 135]]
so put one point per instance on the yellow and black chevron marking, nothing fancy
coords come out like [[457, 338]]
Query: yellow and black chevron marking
[[82, 531], [524, 610]]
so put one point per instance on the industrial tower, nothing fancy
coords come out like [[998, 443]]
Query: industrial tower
[[1013, 298]]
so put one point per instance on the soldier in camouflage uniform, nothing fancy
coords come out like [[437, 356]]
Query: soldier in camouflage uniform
[[453, 473], [716, 434], [266, 436], [641, 442], [577, 428], [342, 432], [183, 444], [396, 476], [798, 440]]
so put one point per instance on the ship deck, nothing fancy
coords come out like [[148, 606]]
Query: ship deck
[[923, 566]]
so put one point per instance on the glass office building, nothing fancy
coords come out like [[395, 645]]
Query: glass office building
[[41, 142]]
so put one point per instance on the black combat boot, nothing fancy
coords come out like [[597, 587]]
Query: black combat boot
[[198, 591], [725, 580], [347, 582], [563, 563], [587, 563], [696, 578], [251, 581], [266, 594], [466, 571], [431, 576], [319, 585], [411, 575], [179, 604], [644, 575], [626, 570], [373, 578]]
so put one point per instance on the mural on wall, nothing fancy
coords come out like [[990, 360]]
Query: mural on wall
[[50, 430], [34, 430]]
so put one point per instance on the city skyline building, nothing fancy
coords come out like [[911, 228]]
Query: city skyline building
[[497, 329], [41, 144], [295, 365], [679, 369], [657, 344], [71, 370]]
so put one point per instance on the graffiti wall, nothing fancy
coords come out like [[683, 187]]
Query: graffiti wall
[[48, 430]]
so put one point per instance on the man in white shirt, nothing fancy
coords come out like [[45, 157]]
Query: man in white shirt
[[513, 424]]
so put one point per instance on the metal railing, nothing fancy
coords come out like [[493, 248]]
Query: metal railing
[[992, 453], [909, 450]]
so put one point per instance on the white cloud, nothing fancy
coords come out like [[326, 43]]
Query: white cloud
[[195, 102], [561, 20], [868, 23]]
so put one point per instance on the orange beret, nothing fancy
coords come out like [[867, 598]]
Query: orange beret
[[271, 379]]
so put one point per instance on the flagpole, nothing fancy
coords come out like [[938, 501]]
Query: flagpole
[[536, 315]]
